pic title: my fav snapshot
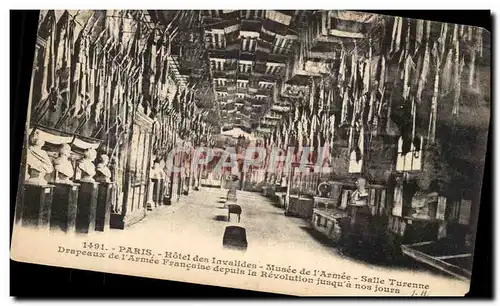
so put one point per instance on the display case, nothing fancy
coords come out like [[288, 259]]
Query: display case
[[332, 205], [134, 193], [301, 190]]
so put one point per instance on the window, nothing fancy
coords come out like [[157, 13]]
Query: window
[[412, 160]]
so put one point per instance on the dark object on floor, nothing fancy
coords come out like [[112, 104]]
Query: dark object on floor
[[235, 237], [233, 209], [220, 218]]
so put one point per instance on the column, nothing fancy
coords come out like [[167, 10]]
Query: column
[[87, 204], [64, 207], [103, 207]]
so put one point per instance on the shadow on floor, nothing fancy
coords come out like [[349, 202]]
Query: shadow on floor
[[277, 204], [220, 218], [235, 248], [279, 213], [317, 236], [373, 253], [221, 201], [264, 213]]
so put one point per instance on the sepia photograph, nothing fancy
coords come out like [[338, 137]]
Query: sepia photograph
[[299, 152]]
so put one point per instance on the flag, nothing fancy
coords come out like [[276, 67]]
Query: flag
[[407, 74], [80, 97], [458, 87], [433, 114], [423, 75], [442, 38], [472, 68], [419, 34], [64, 45], [48, 73], [312, 96], [396, 34]]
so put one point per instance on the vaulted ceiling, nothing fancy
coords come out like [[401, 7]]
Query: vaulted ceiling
[[249, 66]]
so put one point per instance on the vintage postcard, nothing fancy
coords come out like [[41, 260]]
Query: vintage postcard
[[300, 152]]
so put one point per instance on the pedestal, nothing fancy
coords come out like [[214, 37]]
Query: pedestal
[[64, 207], [103, 206], [37, 205], [86, 209]]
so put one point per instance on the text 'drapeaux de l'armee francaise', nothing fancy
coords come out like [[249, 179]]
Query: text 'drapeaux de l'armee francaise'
[[189, 262]]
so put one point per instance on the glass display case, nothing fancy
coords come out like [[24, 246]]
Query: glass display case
[[302, 184]]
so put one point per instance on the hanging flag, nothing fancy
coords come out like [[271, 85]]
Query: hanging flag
[[394, 35], [472, 67], [79, 77], [321, 97], [312, 130], [423, 75], [342, 67], [419, 34], [399, 32], [433, 113], [447, 73], [354, 65], [383, 76], [458, 86], [366, 77], [312, 96], [406, 52], [407, 75], [479, 43], [64, 42], [443, 37], [345, 109], [48, 72]]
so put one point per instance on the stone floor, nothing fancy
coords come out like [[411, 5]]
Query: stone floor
[[203, 214], [199, 220]]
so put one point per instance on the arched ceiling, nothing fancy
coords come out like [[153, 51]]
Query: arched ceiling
[[248, 66]]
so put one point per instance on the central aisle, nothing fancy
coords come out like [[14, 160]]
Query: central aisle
[[202, 215]]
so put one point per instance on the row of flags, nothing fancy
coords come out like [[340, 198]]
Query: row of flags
[[429, 66], [103, 66], [182, 117]]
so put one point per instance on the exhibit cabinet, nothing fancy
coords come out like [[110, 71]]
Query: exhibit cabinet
[[133, 194]]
